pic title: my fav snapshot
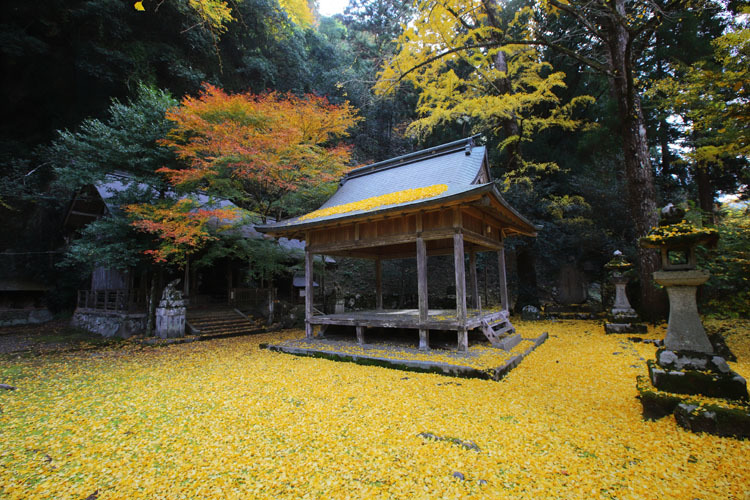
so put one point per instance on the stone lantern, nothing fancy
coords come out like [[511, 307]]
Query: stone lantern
[[676, 240], [687, 364], [622, 318]]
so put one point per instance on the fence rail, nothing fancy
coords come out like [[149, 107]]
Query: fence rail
[[112, 300]]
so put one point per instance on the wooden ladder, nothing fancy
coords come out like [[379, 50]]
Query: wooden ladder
[[500, 332]]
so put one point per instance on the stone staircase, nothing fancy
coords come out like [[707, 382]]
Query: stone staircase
[[500, 332], [219, 323]]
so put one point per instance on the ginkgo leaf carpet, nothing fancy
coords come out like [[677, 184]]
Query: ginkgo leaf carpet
[[226, 419]]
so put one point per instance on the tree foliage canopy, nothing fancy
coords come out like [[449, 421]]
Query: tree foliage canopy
[[253, 149]]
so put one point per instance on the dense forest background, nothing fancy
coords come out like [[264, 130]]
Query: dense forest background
[[86, 85]]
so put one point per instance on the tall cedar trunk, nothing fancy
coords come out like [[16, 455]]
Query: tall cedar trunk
[[526, 270], [706, 193], [638, 171]]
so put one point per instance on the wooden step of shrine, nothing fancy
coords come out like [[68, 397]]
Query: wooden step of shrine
[[500, 331]]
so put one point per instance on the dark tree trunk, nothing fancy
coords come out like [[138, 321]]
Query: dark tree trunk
[[641, 192], [526, 269], [706, 194]]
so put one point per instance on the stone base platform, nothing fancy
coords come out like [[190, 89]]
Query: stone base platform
[[720, 417], [625, 328], [467, 364], [700, 389]]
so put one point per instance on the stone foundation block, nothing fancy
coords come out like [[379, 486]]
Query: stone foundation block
[[719, 385], [713, 419], [625, 328], [509, 342]]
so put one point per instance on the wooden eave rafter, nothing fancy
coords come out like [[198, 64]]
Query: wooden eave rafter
[[510, 221]]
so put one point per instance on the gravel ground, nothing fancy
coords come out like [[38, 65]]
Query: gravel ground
[[36, 338]]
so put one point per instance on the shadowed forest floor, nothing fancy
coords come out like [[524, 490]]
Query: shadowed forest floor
[[225, 419]]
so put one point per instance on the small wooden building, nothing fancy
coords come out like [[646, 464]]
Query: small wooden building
[[438, 201]]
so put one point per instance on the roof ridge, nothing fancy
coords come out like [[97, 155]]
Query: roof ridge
[[466, 144]]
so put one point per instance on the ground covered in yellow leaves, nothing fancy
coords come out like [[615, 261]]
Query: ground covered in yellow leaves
[[225, 419]]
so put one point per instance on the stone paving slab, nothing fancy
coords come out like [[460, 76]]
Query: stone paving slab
[[327, 350]]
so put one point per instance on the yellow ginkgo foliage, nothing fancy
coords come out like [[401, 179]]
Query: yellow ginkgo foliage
[[298, 10]]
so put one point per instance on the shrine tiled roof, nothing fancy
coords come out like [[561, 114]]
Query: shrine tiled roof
[[456, 169]]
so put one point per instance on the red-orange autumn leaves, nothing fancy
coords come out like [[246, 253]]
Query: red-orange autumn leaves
[[249, 149], [278, 141]]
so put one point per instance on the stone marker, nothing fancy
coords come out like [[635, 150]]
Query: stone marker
[[170, 315]]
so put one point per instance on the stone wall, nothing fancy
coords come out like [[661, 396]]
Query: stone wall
[[110, 324], [12, 317]]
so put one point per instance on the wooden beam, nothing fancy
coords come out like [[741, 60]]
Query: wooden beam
[[503, 280], [458, 262], [332, 248], [480, 240], [424, 340], [378, 284], [308, 293], [473, 282], [360, 334]]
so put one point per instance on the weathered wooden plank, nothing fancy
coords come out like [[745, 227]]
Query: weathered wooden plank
[[484, 241], [458, 262], [308, 293], [503, 280], [424, 339], [422, 280], [360, 334], [473, 282], [332, 248], [378, 284]]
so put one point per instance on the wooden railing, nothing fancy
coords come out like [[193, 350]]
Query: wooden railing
[[241, 297], [112, 300]]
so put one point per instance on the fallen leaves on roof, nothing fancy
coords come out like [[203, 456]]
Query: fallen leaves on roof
[[394, 198]]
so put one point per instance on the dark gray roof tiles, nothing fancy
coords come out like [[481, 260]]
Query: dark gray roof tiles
[[456, 170], [457, 165]]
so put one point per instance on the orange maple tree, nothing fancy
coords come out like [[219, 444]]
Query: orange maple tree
[[182, 227], [254, 149]]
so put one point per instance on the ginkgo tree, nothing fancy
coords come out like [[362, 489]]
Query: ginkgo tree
[[465, 73], [712, 98], [254, 149]]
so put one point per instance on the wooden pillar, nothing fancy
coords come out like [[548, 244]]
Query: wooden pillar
[[424, 334], [308, 293], [473, 283], [458, 262], [378, 284], [503, 280], [323, 283], [360, 334]]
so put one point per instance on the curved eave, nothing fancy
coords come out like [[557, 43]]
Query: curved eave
[[518, 224]]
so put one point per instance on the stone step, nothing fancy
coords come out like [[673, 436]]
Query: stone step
[[220, 322]]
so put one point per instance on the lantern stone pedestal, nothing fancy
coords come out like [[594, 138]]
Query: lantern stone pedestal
[[687, 365], [685, 331], [623, 318]]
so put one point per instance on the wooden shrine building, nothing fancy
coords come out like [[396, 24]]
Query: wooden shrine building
[[438, 201]]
